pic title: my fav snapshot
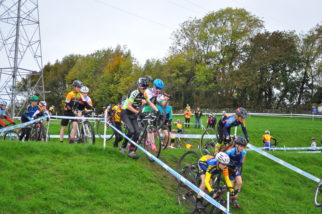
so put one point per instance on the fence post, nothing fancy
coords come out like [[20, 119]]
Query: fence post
[[105, 124]]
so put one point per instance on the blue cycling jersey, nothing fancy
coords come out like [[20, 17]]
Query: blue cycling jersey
[[230, 121], [30, 111], [168, 111], [236, 159], [2, 112]]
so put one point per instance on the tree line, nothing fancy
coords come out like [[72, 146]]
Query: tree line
[[223, 60]]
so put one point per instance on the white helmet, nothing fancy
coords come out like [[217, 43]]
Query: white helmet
[[223, 158], [42, 103], [267, 132], [84, 89]]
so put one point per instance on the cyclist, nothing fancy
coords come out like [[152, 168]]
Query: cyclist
[[42, 110], [51, 110], [210, 166], [237, 157], [179, 126], [267, 139], [225, 124], [116, 117], [155, 97], [73, 101], [28, 116], [166, 118], [129, 114], [86, 101], [3, 106]]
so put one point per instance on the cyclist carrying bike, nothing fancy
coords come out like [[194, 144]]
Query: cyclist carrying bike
[[3, 106], [28, 116], [73, 101], [226, 123], [210, 166], [237, 157], [129, 115]]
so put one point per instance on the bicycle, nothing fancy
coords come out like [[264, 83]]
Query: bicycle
[[85, 131], [12, 135], [207, 142], [39, 132], [188, 167], [149, 137], [318, 195], [100, 127]]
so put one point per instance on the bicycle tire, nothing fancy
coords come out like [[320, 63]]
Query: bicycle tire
[[11, 135], [188, 158], [156, 140], [42, 133], [87, 132], [100, 130], [185, 196], [318, 195], [207, 145], [34, 133], [165, 145]]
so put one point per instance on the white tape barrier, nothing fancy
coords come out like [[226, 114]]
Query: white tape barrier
[[22, 125], [283, 163], [76, 118], [174, 173], [289, 148], [268, 115]]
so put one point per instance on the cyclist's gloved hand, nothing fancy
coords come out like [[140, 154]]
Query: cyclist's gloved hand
[[232, 191]]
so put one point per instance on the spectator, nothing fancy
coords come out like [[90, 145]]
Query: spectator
[[211, 122], [198, 114], [187, 114], [313, 144]]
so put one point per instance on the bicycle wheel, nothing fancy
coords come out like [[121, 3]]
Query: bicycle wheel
[[190, 158], [11, 135], [87, 133], [165, 145], [208, 142], [318, 195], [274, 142], [100, 130], [34, 133], [185, 196], [43, 133], [152, 142]]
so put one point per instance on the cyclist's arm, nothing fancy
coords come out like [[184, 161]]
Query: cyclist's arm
[[207, 181], [2, 123], [243, 126], [146, 96], [8, 119], [131, 108], [225, 173]]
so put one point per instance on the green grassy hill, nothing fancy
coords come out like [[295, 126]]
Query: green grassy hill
[[61, 178]]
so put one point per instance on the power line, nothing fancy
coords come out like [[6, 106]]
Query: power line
[[134, 14], [183, 7], [197, 5]]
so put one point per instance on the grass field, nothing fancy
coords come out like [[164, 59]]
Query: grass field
[[61, 178]]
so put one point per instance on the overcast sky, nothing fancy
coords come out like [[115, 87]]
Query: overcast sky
[[146, 26]]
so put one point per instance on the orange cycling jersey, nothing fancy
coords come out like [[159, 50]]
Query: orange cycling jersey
[[72, 100]]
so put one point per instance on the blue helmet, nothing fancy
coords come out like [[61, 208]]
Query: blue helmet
[[3, 102], [158, 83]]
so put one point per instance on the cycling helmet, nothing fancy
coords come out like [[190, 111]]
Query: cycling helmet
[[84, 89], [158, 83], [241, 112], [143, 82], [241, 141], [3, 102], [267, 132], [42, 103], [34, 98], [223, 158], [77, 83]]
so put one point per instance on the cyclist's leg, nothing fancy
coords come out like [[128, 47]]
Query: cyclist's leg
[[118, 136], [220, 142], [129, 126], [64, 124], [74, 128]]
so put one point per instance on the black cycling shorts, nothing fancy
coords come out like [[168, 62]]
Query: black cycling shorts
[[68, 113]]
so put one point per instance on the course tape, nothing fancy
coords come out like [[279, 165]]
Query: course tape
[[283, 163], [22, 125], [289, 148], [77, 118], [174, 173], [268, 115]]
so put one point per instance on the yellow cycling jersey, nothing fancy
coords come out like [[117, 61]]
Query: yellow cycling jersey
[[267, 138], [117, 113], [209, 164]]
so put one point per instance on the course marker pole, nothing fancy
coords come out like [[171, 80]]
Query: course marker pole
[[105, 124]]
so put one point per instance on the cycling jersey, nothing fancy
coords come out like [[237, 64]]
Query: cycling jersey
[[30, 111], [73, 100], [210, 166], [40, 112], [117, 113], [168, 111], [135, 98], [179, 125], [85, 102], [3, 115], [237, 159], [230, 121], [154, 95]]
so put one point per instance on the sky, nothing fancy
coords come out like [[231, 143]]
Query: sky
[[146, 26]]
